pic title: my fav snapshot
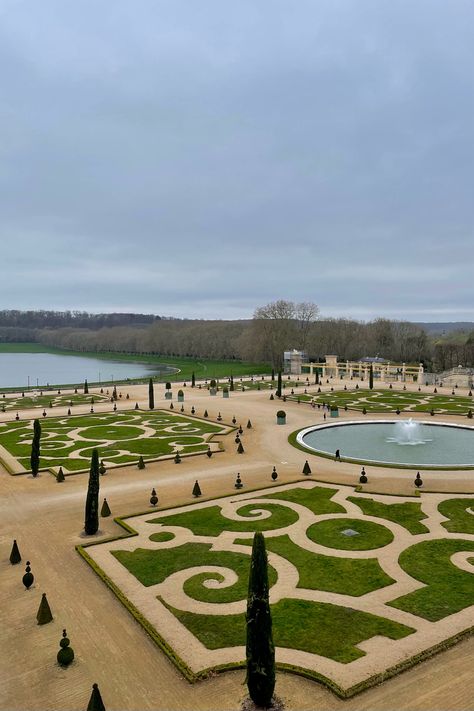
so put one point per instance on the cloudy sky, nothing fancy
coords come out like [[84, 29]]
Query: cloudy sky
[[203, 158]]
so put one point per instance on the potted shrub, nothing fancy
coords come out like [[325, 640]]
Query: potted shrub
[[225, 391], [281, 417], [168, 393], [334, 411], [180, 396], [212, 387]]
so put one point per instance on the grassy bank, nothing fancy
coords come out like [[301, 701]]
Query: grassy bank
[[202, 368]]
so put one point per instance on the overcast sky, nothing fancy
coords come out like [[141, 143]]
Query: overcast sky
[[203, 158]]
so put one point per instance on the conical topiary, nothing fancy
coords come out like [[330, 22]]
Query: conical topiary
[[44, 614], [363, 476], [153, 498], [91, 524], [60, 475], [306, 468], [136, 406], [15, 556], [141, 463], [95, 701], [66, 654], [196, 489], [418, 480], [105, 510], [102, 469], [274, 474], [209, 452], [238, 482], [249, 425], [206, 413], [28, 577], [240, 448], [177, 458]]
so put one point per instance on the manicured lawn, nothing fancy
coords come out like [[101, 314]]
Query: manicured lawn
[[407, 514], [387, 400], [447, 590], [458, 511], [50, 399], [330, 533], [154, 566], [120, 437], [347, 576], [317, 499], [209, 521], [315, 627]]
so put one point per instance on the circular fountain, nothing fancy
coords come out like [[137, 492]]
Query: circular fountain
[[397, 443]]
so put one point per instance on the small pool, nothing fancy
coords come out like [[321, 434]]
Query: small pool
[[394, 442]]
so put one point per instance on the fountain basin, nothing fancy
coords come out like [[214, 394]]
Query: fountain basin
[[436, 446]]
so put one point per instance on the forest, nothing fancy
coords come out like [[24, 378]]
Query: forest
[[274, 328]]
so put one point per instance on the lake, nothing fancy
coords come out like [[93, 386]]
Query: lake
[[17, 370]]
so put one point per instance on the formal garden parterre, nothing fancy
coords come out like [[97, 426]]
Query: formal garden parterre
[[361, 585], [121, 438]]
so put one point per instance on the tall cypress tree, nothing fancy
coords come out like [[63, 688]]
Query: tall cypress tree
[[91, 524], [86, 387], [371, 377], [278, 390], [260, 651], [193, 380], [35, 448], [151, 395]]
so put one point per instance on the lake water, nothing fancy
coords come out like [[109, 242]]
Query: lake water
[[41, 369]]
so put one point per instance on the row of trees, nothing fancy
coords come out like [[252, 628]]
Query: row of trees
[[278, 326]]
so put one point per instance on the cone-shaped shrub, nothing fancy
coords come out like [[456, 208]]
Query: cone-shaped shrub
[[15, 556], [114, 393], [102, 469], [249, 425], [141, 463], [28, 577], [136, 406], [260, 651], [95, 701], [240, 448], [91, 523], [60, 475], [66, 654], [153, 497], [306, 468], [206, 414], [418, 480], [105, 510], [193, 380], [151, 395], [279, 386], [177, 458], [86, 388], [35, 448], [44, 614], [272, 397], [196, 489], [209, 452]]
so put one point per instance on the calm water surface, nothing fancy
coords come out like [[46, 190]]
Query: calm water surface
[[19, 369]]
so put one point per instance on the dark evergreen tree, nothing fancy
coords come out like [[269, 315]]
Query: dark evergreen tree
[[91, 524], [105, 510], [95, 701], [153, 498], [306, 468], [206, 414], [249, 425], [278, 390], [60, 475], [66, 654], [196, 489], [136, 406], [240, 448], [141, 463], [231, 385], [177, 458], [28, 577], [15, 556], [260, 651], [44, 614], [418, 480], [209, 452], [151, 395], [114, 393], [193, 380], [371, 377], [86, 388], [35, 448], [102, 469]]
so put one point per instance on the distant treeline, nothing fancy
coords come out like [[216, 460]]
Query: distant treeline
[[275, 328]]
